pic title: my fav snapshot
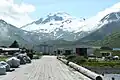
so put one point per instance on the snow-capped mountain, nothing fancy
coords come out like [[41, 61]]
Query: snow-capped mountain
[[9, 33], [108, 24], [61, 25], [114, 16], [58, 25], [105, 22]]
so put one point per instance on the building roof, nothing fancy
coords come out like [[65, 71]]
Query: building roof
[[116, 48], [10, 49], [105, 52]]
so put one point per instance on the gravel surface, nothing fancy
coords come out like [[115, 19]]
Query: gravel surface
[[46, 68]]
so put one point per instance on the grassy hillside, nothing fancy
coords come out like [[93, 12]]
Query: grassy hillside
[[104, 31], [112, 40]]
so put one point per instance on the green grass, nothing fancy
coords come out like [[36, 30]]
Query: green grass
[[76, 59], [80, 60], [112, 40], [37, 55], [3, 58], [112, 64]]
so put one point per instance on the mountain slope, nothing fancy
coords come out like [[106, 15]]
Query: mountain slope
[[59, 25], [112, 40], [9, 33], [110, 23]]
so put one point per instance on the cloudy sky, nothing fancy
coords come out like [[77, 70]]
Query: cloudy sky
[[21, 12], [78, 8]]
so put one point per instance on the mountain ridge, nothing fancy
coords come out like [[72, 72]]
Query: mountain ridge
[[9, 33], [110, 24], [59, 25]]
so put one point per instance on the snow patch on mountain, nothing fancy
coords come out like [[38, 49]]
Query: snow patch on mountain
[[63, 25], [103, 17], [53, 21], [58, 25], [100, 15]]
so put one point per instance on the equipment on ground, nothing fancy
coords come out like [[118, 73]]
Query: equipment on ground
[[13, 62]]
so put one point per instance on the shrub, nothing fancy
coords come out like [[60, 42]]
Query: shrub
[[38, 54], [3, 58], [76, 59], [92, 60], [36, 57], [79, 60], [30, 55], [70, 57]]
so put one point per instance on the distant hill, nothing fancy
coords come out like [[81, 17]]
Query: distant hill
[[112, 40]]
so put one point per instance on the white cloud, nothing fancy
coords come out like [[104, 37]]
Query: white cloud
[[100, 15], [16, 14], [92, 22], [117, 6]]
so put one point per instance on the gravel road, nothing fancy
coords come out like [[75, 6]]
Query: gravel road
[[46, 68]]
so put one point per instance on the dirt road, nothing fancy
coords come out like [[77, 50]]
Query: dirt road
[[46, 68]]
